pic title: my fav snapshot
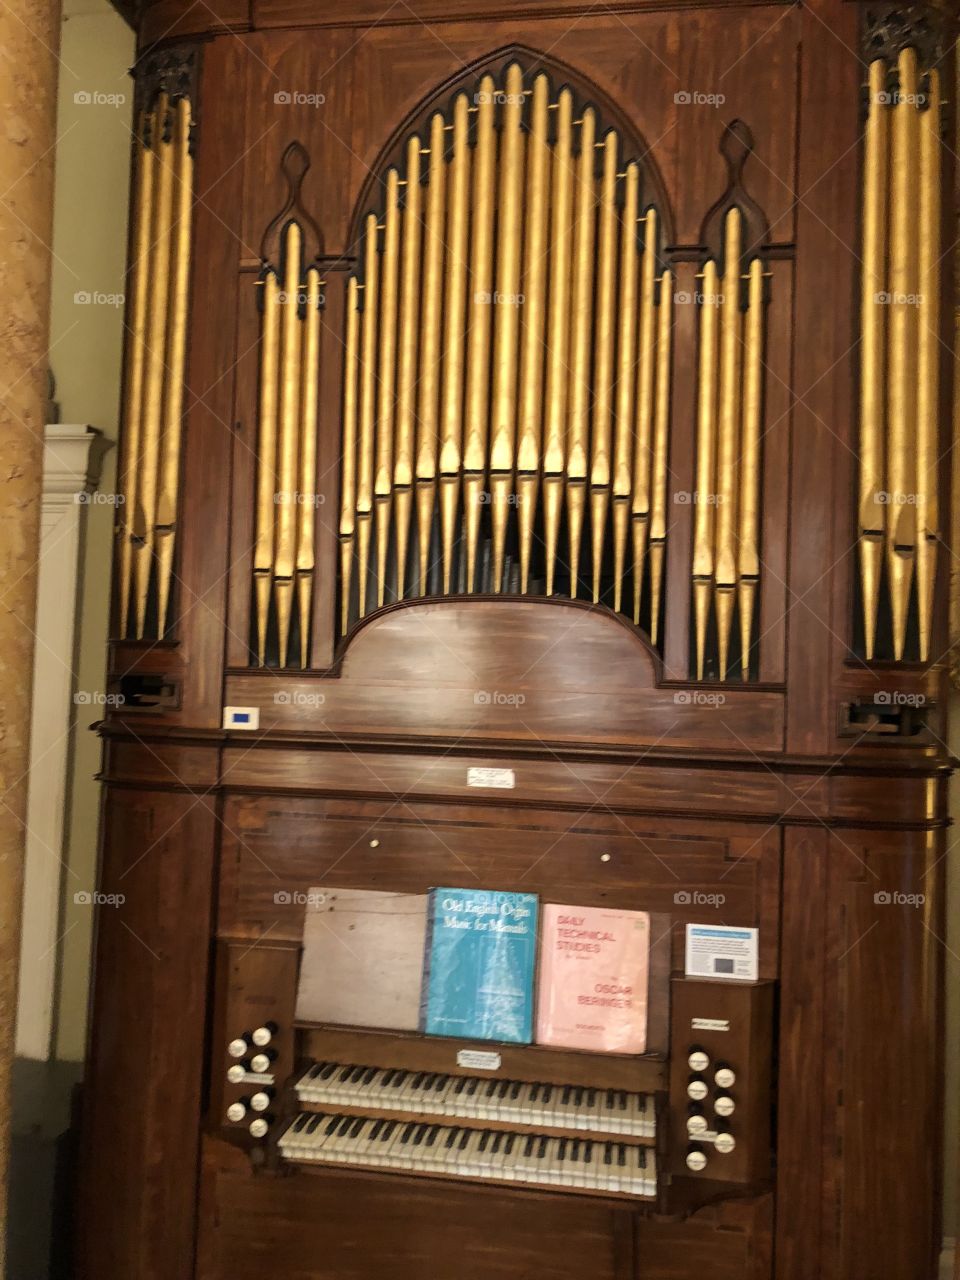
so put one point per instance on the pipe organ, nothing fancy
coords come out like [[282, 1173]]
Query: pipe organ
[[900, 408], [153, 400], [506, 404], [534, 453]]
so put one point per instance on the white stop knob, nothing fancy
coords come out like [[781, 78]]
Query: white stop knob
[[259, 1127], [725, 1143], [696, 1161], [698, 1060]]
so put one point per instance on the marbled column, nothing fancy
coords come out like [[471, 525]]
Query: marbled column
[[29, 39]]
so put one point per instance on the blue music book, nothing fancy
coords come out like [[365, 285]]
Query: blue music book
[[479, 965]]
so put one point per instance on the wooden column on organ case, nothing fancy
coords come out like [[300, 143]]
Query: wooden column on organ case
[[898, 496]]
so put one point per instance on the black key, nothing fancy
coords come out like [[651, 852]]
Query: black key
[[504, 1087], [371, 1075], [335, 1123], [328, 1070], [375, 1131], [508, 1145], [534, 1091], [621, 1155], [484, 1139], [528, 1145], [346, 1073], [607, 1159], [575, 1149], [357, 1128], [578, 1097], [460, 1085], [562, 1149], [399, 1079], [408, 1132], [622, 1100], [547, 1093], [591, 1097], [642, 1157], [441, 1082], [299, 1123], [420, 1135], [357, 1074], [418, 1079], [542, 1150], [492, 1088], [497, 1141], [432, 1134], [565, 1096], [428, 1082], [515, 1091], [464, 1139], [588, 1152], [389, 1130], [609, 1100], [472, 1086], [451, 1138]]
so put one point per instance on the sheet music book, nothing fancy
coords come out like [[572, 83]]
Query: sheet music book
[[594, 969], [480, 957], [362, 959]]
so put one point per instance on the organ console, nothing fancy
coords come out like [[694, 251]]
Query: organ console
[[535, 451]]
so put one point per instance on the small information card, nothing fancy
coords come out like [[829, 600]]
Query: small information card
[[721, 951]]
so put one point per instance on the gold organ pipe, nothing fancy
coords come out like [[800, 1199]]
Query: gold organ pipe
[[749, 537], [902, 358], [558, 329], [286, 497], [928, 361], [403, 463], [307, 507], [728, 437], [644, 407], [133, 390], [580, 323], [348, 473], [455, 295], [506, 312], [661, 429], [706, 461], [872, 350], [626, 379], [603, 360], [266, 457], [476, 416], [144, 515], [429, 380], [386, 380], [166, 513], [368, 395], [534, 327]]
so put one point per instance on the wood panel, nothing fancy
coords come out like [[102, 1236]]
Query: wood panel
[[146, 1061]]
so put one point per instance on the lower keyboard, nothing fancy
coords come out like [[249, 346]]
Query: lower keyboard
[[481, 1154]]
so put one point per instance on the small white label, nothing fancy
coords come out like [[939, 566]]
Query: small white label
[[478, 1059], [722, 951], [709, 1024], [241, 717], [503, 779]]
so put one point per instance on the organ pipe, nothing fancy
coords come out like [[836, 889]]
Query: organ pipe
[[508, 340]]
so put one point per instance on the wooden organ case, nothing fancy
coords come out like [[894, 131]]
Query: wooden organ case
[[535, 471]]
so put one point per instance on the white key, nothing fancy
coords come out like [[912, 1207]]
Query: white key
[[511, 1145]]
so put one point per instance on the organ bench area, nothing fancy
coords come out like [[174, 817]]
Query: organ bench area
[[535, 477]]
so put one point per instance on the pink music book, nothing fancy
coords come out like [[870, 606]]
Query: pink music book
[[592, 992]]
